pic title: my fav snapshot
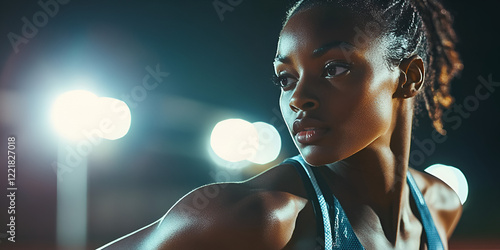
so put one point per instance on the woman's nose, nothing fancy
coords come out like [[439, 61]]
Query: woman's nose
[[304, 98]]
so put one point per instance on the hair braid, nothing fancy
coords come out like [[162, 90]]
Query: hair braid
[[444, 61]]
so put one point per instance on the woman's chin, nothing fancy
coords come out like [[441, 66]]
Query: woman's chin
[[317, 158]]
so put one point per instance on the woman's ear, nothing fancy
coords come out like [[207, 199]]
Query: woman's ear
[[411, 78]]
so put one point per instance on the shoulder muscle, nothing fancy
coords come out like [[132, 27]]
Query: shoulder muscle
[[232, 217], [441, 199]]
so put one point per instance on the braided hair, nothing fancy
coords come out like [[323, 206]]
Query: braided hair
[[414, 27]]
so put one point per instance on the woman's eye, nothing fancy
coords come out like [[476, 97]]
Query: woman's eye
[[335, 69], [283, 81]]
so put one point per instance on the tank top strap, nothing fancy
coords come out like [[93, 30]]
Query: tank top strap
[[315, 195], [431, 233], [343, 235]]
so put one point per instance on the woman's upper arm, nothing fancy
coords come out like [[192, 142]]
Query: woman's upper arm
[[175, 226], [131, 240], [235, 218], [212, 217]]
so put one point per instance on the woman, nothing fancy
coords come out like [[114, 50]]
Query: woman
[[351, 73]]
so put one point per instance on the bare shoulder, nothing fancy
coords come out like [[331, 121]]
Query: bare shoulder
[[230, 216], [246, 215], [443, 202]]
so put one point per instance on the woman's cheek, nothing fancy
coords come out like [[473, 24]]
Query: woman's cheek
[[285, 110], [372, 116], [382, 109]]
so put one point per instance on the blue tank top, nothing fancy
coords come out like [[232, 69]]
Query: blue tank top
[[333, 228]]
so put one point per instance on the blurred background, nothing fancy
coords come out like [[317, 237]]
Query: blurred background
[[204, 61]]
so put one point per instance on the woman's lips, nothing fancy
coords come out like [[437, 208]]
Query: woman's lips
[[308, 130], [310, 135]]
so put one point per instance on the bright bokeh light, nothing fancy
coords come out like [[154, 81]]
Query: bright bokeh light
[[234, 140], [117, 114], [453, 177], [80, 114], [72, 112], [269, 143]]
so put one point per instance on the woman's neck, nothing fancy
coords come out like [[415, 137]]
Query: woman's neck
[[376, 176]]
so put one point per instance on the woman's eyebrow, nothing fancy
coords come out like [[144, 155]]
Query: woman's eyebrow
[[332, 45], [282, 59], [320, 51]]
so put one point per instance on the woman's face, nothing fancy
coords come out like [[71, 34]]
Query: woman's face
[[337, 91]]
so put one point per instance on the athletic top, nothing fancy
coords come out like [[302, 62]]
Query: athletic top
[[333, 228]]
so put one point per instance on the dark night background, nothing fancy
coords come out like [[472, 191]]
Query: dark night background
[[218, 69]]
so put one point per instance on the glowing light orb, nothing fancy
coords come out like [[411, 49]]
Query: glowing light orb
[[115, 113], [234, 140], [453, 177], [80, 114], [72, 112], [269, 143]]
